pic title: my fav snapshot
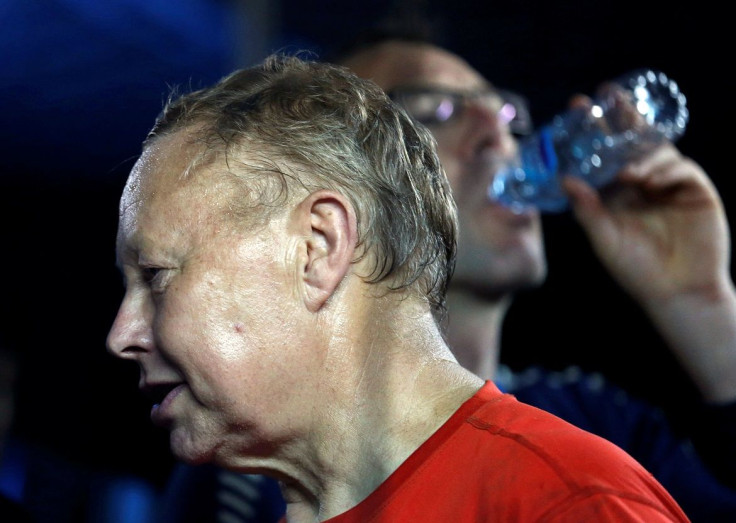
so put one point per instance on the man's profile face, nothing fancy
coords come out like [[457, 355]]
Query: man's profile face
[[210, 314], [498, 251]]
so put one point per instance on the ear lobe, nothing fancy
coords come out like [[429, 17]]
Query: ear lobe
[[329, 222]]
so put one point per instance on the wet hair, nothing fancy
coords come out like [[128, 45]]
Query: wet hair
[[298, 124]]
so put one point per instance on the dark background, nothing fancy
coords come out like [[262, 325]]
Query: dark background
[[81, 82]]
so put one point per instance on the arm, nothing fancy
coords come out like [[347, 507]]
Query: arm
[[663, 235]]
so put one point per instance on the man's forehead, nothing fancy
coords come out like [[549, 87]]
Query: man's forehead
[[164, 166], [163, 191], [406, 64]]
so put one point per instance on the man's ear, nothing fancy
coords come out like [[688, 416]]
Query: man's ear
[[327, 221]]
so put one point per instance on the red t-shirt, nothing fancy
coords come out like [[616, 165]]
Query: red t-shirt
[[499, 460]]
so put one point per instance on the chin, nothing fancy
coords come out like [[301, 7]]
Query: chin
[[499, 281], [188, 448]]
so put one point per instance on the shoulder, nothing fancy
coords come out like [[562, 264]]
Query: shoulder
[[541, 440], [518, 449], [546, 436]]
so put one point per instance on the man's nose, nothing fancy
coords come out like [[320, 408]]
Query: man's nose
[[494, 113], [131, 334], [491, 126]]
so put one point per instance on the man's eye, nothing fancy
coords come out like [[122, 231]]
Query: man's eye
[[431, 108], [152, 276]]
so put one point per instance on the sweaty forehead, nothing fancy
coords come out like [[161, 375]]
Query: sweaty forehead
[[399, 64], [162, 166], [167, 189]]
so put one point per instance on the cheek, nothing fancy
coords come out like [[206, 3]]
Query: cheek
[[452, 170], [192, 319], [234, 318], [463, 181]]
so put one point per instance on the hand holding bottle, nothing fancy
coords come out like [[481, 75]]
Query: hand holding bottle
[[629, 117]]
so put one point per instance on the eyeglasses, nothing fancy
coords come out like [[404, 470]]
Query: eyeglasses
[[434, 106]]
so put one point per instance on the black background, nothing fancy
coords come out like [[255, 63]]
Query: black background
[[83, 82]]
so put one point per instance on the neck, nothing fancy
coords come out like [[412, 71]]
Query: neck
[[474, 330], [390, 382]]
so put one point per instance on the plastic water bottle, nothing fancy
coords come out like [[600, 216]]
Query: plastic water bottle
[[632, 115]]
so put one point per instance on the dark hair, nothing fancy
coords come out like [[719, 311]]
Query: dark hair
[[405, 21]]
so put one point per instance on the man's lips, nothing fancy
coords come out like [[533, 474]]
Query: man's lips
[[496, 211], [162, 395], [476, 179]]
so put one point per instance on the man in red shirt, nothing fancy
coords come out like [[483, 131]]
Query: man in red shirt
[[287, 236]]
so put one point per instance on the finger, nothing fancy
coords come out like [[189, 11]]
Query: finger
[[665, 173], [657, 159], [590, 212], [580, 193]]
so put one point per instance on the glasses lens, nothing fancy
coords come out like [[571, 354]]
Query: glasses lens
[[427, 107], [515, 112]]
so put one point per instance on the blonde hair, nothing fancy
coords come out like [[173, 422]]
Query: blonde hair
[[335, 130]]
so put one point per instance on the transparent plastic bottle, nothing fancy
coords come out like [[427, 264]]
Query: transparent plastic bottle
[[630, 116]]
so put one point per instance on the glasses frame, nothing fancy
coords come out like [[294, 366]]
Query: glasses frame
[[520, 124]]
